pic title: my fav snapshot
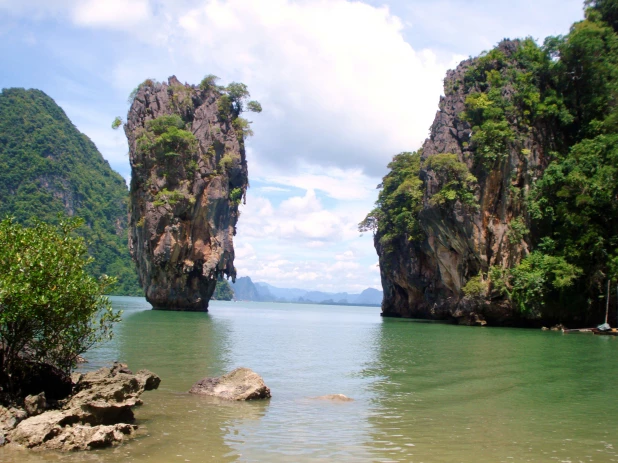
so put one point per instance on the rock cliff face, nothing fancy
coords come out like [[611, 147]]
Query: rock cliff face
[[423, 278], [189, 174]]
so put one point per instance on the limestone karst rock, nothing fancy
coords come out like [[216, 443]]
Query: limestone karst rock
[[424, 278], [189, 174], [98, 414]]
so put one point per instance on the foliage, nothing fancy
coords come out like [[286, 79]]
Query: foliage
[[166, 136], [209, 82], [48, 167], [237, 93], [607, 11], [517, 230], [538, 276], [162, 124], [226, 162], [456, 182], [223, 291], [236, 196], [476, 287], [166, 197], [399, 202], [233, 101], [242, 127], [224, 107], [51, 309], [254, 106], [117, 123], [574, 203]]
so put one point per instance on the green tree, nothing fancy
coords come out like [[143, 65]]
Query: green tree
[[399, 202], [209, 82], [51, 309]]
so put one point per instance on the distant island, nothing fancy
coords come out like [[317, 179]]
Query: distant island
[[246, 290]]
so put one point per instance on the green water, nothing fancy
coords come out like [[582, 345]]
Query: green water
[[423, 392]]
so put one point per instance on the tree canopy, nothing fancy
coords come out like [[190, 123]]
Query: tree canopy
[[51, 308]]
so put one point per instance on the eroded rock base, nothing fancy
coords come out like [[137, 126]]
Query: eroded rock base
[[98, 414]]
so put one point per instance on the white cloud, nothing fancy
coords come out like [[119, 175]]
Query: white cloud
[[342, 184], [273, 189], [347, 255], [111, 13], [346, 90], [301, 244], [299, 219], [311, 274]]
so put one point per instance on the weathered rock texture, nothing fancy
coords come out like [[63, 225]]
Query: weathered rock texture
[[240, 384], [184, 205], [99, 414], [424, 279]]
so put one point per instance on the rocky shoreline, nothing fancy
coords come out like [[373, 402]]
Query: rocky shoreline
[[97, 414]]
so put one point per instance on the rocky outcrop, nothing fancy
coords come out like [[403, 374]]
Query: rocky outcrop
[[424, 278], [98, 414], [188, 176], [240, 384]]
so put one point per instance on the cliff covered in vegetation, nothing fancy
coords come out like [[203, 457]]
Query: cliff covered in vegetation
[[48, 167], [508, 214], [189, 175]]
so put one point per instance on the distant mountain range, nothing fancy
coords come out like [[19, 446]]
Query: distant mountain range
[[247, 290]]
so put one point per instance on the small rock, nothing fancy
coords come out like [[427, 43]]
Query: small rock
[[35, 404], [240, 384], [335, 398]]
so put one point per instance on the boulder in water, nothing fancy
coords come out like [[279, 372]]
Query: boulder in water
[[240, 384]]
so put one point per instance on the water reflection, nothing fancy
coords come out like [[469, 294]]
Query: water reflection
[[476, 394]]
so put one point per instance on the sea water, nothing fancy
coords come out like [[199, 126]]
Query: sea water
[[423, 392]]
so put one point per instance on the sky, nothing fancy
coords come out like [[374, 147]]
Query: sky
[[344, 86]]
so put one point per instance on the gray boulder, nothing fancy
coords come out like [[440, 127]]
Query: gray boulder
[[240, 384]]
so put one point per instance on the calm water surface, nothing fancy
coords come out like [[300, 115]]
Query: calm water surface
[[423, 392]]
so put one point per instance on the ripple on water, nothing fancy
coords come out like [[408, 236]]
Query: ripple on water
[[423, 392]]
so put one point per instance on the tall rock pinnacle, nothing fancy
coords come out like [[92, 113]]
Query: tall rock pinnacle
[[189, 175]]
